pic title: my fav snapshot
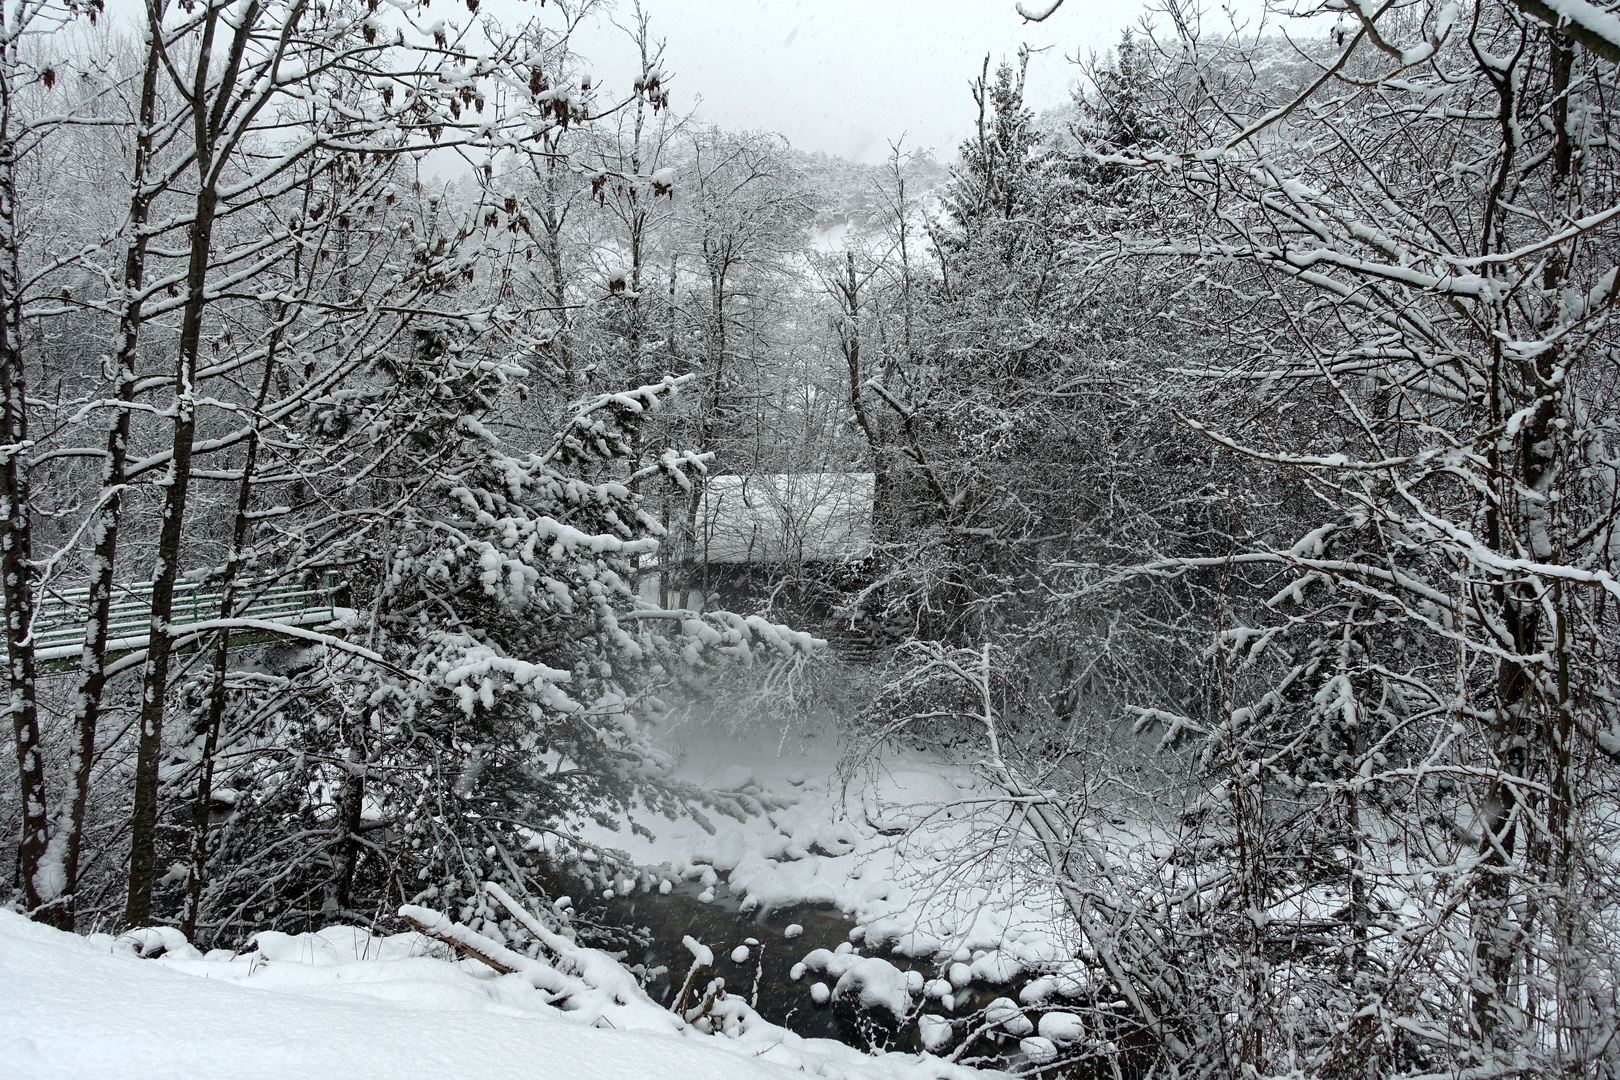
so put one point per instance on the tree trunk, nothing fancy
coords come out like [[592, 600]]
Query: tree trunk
[[155, 680], [93, 662], [351, 800], [212, 90], [197, 871], [15, 555], [40, 880]]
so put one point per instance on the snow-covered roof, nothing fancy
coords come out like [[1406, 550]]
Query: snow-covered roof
[[774, 518]]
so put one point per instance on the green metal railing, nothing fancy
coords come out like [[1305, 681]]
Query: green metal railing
[[60, 614]]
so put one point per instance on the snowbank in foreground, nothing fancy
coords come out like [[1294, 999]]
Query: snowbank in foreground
[[74, 1010]]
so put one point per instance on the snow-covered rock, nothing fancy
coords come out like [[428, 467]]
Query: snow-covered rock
[[935, 1031], [1038, 991], [873, 983], [723, 852], [147, 941], [1037, 1049], [1063, 1028], [1005, 1013], [832, 964], [996, 966]]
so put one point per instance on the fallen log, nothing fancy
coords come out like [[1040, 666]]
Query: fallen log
[[436, 926]]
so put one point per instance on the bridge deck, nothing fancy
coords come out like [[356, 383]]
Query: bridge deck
[[60, 614]]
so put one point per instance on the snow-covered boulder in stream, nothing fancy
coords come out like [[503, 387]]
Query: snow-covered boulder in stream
[[1037, 1049], [935, 1031], [1063, 1028], [872, 983], [1005, 1013]]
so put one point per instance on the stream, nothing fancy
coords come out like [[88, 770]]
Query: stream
[[765, 977]]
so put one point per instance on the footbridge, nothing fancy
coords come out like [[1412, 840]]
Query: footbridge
[[60, 614]]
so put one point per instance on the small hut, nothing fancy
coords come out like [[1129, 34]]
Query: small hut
[[753, 531], [786, 519]]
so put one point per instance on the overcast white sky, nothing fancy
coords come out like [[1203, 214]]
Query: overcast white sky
[[846, 76], [843, 76]]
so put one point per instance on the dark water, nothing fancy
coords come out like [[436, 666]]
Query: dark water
[[765, 981]]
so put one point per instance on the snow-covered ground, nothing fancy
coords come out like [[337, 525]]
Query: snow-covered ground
[[344, 1005], [885, 848], [888, 848]]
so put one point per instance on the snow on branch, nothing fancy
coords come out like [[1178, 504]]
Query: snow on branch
[[1307, 461], [1039, 16], [1597, 30]]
